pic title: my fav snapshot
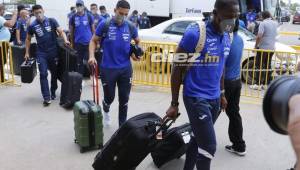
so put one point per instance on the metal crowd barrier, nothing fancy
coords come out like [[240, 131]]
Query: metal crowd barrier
[[6, 64], [151, 73], [258, 67]]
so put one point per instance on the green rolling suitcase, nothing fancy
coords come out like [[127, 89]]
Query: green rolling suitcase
[[88, 121]]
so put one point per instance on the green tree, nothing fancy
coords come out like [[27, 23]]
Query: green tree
[[294, 6], [282, 4], [27, 1]]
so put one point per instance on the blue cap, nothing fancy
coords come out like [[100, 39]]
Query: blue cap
[[80, 2]]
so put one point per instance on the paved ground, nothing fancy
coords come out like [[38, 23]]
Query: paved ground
[[38, 138]]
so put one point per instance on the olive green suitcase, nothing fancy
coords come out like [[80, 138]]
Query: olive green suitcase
[[88, 122]]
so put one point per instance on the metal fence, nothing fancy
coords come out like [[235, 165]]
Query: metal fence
[[151, 73], [258, 67], [6, 64]]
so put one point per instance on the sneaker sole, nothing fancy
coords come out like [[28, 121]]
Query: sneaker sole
[[237, 153]]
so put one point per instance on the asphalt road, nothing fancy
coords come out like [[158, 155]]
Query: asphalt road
[[289, 39]]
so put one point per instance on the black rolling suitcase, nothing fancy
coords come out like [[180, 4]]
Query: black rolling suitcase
[[71, 87], [28, 71], [129, 146], [173, 146], [63, 66]]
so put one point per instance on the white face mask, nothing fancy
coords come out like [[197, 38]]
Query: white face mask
[[80, 9], [40, 16], [94, 12]]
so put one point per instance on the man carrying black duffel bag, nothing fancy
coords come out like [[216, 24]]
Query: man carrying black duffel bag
[[45, 30]]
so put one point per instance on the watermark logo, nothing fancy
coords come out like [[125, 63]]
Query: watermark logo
[[182, 59]]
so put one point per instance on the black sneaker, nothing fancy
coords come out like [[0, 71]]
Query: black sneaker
[[47, 103], [53, 97], [237, 152]]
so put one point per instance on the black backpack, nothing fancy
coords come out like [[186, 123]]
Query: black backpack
[[13, 32]]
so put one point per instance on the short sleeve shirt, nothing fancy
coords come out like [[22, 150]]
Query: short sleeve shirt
[[4, 31], [22, 27], [203, 78], [82, 28], [45, 34], [116, 44]]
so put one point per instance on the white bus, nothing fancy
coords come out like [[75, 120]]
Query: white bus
[[158, 10]]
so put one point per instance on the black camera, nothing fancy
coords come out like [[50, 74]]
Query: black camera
[[136, 50], [276, 102]]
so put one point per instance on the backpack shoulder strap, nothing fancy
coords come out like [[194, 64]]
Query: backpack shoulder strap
[[231, 37], [202, 37], [51, 21], [106, 28], [199, 47], [72, 20], [131, 26], [90, 19]]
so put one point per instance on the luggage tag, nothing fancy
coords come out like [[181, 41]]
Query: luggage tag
[[159, 136], [186, 136], [162, 129]]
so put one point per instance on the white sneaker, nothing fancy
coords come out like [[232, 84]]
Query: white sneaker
[[254, 87], [257, 87], [106, 119]]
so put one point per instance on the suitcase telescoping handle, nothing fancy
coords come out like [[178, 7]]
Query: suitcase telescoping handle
[[95, 73], [164, 125], [29, 61]]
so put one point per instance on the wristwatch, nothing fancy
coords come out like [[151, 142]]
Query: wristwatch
[[223, 93], [174, 104]]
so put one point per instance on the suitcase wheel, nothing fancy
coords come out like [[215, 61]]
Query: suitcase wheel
[[82, 149], [75, 141], [100, 146]]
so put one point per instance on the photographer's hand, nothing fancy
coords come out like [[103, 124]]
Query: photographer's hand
[[294, 125]]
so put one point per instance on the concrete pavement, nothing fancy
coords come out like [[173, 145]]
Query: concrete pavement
[[36, 138]]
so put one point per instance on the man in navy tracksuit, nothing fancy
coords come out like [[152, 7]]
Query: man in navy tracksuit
[[115, 69], [81, 30], [202, 94], [45, 30]]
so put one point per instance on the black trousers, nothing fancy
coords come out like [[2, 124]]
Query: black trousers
[[235, 130], [263, 62]]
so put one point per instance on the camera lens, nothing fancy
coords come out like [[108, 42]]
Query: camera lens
[[275, 103]]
